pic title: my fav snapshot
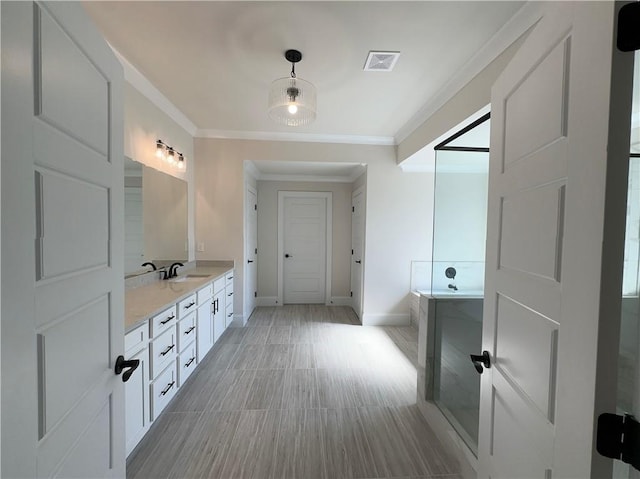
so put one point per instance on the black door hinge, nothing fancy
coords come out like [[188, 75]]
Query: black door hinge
[[351, 252], [255, 294], [618, 437], [352, 294], [256, 250], [628, 32], [255, 207], [353, 209]]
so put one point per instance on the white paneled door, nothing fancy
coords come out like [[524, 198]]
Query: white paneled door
[[357, 247], [62, 245], [251, 252], [304, 246], [559, 150]]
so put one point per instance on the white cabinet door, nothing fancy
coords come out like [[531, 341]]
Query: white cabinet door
[[136, 400], [62, 245], [219, 314], [204, 337], [559, 145]]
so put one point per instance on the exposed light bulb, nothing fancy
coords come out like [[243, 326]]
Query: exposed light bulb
[[159, 149], [293, 108], [181, 161], [171, 158]]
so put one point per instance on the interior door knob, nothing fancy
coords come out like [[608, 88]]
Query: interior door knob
[[122, 364], [358, 261], [288, 255], [481, 360]]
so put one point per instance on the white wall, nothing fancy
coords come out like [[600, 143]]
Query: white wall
[[398, 216], [144, 123], [268, 234]]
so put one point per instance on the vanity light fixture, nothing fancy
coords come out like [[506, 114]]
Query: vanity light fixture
[[292, 100], [170, 155]]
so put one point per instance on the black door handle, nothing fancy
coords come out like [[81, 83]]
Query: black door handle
[[359, 261], [121, 364], [481, 360], [288, 255], [249, 261]]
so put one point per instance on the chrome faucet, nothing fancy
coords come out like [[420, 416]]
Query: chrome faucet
[[453, 287]]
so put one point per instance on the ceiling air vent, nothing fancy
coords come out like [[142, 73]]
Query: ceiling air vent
[[381, 61]]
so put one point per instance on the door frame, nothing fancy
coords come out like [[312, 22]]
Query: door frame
[[328, 196], [354, 193], [247, 298]]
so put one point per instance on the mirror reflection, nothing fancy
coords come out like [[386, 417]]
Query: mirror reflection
[[155, 216]]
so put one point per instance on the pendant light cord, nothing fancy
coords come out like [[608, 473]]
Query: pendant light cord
[[293, 70]]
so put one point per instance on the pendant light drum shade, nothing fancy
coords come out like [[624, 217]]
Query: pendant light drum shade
[[292, 100]]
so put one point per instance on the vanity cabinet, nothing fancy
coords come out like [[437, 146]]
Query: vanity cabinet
[[204, 322], [135, 389], [169, 347], [228, 289]]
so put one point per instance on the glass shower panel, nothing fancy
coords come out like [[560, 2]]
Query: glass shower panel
[[459, 222], [458, 330]]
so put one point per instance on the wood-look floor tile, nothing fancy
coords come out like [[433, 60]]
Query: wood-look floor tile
[[300, 450], [261, 317], [194, 395], [231, 391], [169, 440], [256, 335], [302, 356], [266, 390], [276, 356], [279, 335], [301, 389], [207, 447], [363, 461], [248, 357], [337, 459], [253, 450], [233, 335], [301, 334], [221, 356]]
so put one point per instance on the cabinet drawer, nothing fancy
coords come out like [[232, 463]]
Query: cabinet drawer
[[163, 389], [229, 278], [136, 339], [163, 351], [186, 363], [186, 331], [218, 284], [229, 318], [205, 293], [187, 305], [229, 297], [163, 321]]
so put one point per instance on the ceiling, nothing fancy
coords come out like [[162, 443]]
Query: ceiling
[[215, 60]]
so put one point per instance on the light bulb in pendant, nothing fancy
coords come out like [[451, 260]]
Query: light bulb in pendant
[[293, 108], [171, 158], [181, 161]]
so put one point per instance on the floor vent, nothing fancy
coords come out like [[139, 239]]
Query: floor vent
[[381, 61]]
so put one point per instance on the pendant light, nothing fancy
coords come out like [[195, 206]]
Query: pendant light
[[292, 100]]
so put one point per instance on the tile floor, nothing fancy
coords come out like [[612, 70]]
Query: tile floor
[[302, 392]]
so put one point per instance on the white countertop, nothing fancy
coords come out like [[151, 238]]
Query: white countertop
[[145, 302]]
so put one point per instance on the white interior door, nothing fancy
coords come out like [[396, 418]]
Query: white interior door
[[553, 271], [62, 245], [251, 252], [304, 247], [357, 246]]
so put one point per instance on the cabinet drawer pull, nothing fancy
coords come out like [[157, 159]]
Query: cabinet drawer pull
[[166, 351], [188, 363], [189, 305], [229, 278], [188, 331], [229, 315], [230, 294], [169, 318], [169, 386]]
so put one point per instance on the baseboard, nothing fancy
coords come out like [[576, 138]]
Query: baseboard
[[402, 319], [267, 301], [340, 301]]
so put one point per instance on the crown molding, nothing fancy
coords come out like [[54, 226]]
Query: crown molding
[[517, 25], [297, 137], [140, 82]]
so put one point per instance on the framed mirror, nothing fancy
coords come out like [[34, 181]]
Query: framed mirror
[[155, 210]]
